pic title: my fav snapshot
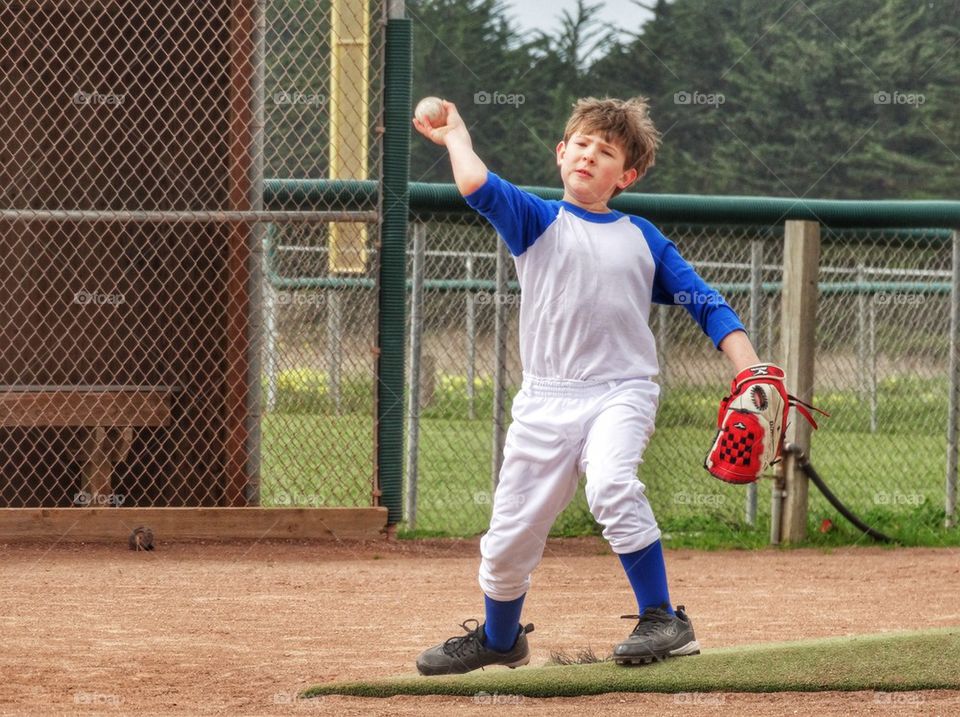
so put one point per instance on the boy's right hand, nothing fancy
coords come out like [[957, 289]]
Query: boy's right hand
[[454, 127]]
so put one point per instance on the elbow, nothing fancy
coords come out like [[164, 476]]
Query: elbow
[[468, 185]]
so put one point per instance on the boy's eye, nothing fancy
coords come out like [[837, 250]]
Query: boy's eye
[[608, 152]]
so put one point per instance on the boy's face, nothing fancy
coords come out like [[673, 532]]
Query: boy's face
[[591, 168]]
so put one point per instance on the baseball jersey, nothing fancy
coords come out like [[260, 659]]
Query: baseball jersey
[[587, 281]]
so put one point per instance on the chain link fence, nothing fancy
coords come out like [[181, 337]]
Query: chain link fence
[[189, 230], [881, 370], [167, 338]]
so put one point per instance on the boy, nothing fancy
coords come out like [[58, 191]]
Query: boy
[[588, 275]]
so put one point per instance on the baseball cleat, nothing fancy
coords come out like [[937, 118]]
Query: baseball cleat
[[657, 636], [465, 653]]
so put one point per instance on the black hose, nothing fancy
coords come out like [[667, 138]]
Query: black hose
[[804, 464]]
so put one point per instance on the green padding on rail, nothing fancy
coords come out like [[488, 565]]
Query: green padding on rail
[[292, 194]]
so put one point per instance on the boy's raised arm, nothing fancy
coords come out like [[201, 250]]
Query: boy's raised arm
[[469, 171]]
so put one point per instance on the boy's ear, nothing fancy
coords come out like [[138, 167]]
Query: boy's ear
[[628, 178], [561, 148]]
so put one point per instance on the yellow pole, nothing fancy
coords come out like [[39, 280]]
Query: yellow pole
[[349, 122]]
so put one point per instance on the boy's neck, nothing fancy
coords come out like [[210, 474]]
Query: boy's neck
[[599, 207]]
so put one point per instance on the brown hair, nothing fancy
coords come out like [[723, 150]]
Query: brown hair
[[626, 122]]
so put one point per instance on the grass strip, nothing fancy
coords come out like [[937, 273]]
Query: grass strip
[[886, 662]]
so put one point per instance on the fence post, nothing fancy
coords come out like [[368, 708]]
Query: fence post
[[394, 206], [416, 337], [872, 359], [270, 342], [801, 258], [500, 368], [950, 519], [334, 344], [756, 309], [866, 356], [663, 316], [471, 306]]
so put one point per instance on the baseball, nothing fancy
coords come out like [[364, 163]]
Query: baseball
[[430, 112]]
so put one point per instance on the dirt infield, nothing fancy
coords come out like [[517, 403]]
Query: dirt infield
[[240, 628]]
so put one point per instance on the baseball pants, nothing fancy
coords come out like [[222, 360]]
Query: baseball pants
[[561, 429]]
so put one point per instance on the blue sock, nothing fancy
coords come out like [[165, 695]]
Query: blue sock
[[648, 577], [503, 622]]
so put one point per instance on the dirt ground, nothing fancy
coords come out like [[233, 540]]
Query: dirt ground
[[238, 629]]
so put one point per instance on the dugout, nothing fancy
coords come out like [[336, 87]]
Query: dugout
[[128, 305]]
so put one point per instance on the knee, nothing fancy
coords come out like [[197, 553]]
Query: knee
[[608, 497], [506, 566]]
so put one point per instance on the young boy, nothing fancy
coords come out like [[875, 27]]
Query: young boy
[[588, 275]]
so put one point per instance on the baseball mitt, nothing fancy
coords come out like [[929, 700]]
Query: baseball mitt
[[751, 424]]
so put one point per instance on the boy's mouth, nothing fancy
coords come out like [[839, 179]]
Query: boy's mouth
[[583, 173]]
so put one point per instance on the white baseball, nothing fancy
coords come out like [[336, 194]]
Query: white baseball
[[430, 112]]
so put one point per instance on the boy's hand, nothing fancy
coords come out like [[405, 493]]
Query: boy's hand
[[751, 424], [469, 171], [454, 127]]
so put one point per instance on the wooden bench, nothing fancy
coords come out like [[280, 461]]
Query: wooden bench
[[107, 414]]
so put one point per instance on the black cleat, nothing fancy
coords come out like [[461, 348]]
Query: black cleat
[[657, 636], [465, 653]]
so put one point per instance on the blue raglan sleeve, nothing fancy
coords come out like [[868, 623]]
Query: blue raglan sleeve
[[518, 216], [677, 283]]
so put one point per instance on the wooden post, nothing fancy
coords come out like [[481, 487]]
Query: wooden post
[[801, 259], [240, 145], [349, 122]]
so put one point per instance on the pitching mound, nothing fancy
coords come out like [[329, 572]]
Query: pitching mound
[[888, 662]]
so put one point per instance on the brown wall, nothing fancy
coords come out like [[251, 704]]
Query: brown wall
[[116, 106]]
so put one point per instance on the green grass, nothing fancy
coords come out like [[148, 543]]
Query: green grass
[[888, 662], [894, 480]]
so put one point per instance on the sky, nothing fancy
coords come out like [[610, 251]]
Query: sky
[[545, 14]]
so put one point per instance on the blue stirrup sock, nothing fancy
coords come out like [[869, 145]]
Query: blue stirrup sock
[[503, 622], [648, 577]]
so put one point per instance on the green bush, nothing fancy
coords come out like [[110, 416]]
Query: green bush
[[306, 390], [450, 398]]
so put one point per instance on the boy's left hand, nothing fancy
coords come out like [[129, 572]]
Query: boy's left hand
[[751, 424]]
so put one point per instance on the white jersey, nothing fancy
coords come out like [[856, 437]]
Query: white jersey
[[588, 281]]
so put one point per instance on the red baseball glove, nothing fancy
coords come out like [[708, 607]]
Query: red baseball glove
[[751, 424]]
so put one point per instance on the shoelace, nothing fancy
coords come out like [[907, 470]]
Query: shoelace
[[648, 622], [456, 646]]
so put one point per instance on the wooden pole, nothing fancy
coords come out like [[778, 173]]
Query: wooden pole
[[349, 122], [241, 147], [801, 259]]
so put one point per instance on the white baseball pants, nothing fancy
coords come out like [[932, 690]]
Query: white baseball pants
[[561, 429]]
